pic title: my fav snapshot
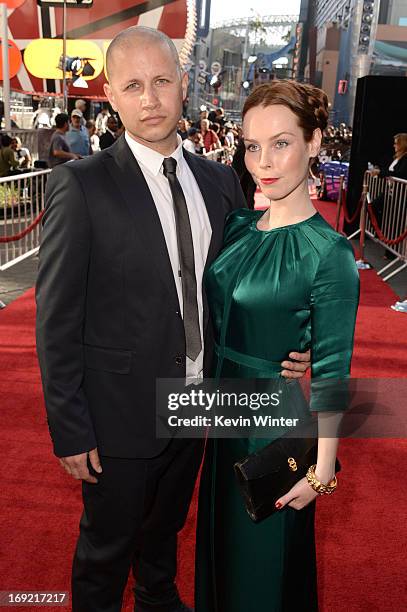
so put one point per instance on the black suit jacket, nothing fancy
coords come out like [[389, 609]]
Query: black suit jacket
[[108, 321], [399, 170]]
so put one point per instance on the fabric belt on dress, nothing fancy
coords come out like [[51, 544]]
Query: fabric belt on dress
[[224, 352]]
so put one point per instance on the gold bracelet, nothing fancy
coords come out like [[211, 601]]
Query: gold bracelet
[[320, 488]]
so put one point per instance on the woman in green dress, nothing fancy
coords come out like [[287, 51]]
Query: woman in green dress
[[284, 280]]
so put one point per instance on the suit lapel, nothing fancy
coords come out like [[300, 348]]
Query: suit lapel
[[130, 181]]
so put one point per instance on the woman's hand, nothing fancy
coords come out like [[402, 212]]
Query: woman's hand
[[299, 496]]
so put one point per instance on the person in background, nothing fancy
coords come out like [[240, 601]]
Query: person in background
[[8, 161], [109, 137], [215, 127], [189, 142], [229, 135], [199, 144], [400, 306], [59, 150], [183, 126], [93, 137], [212, 115], [42, 117], [13, 122], [398, 167], [211, 140], [219, 116], [77, 136], [80, 105], [221, 133], [101, 121], [202, 115], [22, 153]]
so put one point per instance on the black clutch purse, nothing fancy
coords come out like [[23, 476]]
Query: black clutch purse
[[264, 476]]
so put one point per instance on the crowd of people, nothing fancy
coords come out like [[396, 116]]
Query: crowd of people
[[211, 132], [76, 138], [14, 157]]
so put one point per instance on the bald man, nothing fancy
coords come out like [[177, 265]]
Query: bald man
[[110, 322]]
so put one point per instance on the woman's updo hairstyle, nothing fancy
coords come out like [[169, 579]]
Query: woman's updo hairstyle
[[308, 103]]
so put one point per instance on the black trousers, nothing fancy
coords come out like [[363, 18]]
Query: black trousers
[[131, 519]]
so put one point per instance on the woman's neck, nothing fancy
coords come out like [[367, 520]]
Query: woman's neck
[[296, 207]]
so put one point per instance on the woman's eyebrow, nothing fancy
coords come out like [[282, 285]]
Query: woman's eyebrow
[[272, 137]]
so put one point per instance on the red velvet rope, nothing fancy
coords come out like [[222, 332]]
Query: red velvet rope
[[24, 232], [379, 232], [345, 210]]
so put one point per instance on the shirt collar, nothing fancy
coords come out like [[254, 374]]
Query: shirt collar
[[150, 159]]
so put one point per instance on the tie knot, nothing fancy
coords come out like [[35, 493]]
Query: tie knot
[[169, 166]]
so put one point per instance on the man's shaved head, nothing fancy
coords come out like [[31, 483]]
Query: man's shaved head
[[125, 39], [146, 86]]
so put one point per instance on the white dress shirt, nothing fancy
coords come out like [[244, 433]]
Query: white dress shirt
[[151, 162]]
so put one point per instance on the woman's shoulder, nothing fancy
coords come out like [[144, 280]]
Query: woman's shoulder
[[241, 215], [237, 222], [337, 266], [325, 237]]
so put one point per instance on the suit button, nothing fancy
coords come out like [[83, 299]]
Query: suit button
[[179, 360], [177, 312]]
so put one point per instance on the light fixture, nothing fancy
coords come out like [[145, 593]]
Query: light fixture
[[79, 67], [80, 82], [251, 59], [245, 84], [87, 70]]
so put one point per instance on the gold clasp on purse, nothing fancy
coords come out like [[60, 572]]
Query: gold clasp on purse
[[292, 464]]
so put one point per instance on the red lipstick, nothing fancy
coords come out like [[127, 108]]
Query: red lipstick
[[268, 181]]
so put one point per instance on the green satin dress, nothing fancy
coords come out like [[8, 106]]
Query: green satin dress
[[270, 292]]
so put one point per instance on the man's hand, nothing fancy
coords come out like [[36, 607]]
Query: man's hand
[[296, 368], [77, 465]]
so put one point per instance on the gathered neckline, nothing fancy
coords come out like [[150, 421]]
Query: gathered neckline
[[282, 227]]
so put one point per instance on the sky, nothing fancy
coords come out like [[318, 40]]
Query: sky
[[222, 10]]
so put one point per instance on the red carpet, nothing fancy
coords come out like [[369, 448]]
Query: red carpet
[[361, 529]]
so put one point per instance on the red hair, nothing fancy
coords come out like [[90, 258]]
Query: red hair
[[308, 103]]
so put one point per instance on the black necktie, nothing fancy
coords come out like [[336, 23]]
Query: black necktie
[[186, 261]]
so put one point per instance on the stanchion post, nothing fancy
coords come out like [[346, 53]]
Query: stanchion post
[[363, 223], [339, 202]]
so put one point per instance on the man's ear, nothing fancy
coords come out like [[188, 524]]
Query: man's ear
[[110, 96], [184, 84], [315, 142]]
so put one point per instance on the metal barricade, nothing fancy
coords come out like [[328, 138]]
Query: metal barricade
[[22, 204], [389, 196]]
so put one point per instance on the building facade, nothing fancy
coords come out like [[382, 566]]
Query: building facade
[[348, 39]]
